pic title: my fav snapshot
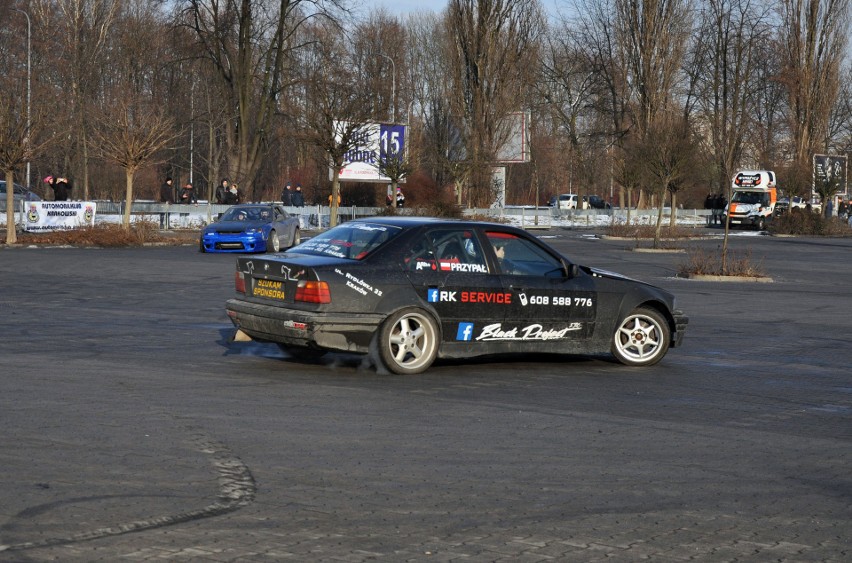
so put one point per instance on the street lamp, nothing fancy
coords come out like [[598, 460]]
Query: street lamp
[[393, 85], [29, 89]]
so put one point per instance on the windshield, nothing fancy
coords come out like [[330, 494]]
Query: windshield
[[750, 198], [247, 214], [349, 240]]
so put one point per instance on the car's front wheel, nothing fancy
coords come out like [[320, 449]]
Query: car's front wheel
[[642, 338], [408, 341], [273, 244], [297, 238]]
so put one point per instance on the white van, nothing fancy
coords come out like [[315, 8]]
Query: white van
[[567, 201]]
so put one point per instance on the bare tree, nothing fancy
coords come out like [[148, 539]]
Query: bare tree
[[336, 107], [250, 44], [80, 30], [814, 40], [130, 134], [725, 54], [495, 46], [20, 142], [668, 155]]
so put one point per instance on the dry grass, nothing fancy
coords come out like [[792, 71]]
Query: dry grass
[[701, 262], [110, 236], [806, 223], [623, 230]]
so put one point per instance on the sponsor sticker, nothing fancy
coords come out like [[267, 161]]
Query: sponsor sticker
[[269, 289], [465, 331], [531, 332]]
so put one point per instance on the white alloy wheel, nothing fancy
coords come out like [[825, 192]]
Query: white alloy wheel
[[642, 338], [408, 342]]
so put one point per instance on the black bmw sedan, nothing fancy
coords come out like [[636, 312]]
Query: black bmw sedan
[[409, 290]]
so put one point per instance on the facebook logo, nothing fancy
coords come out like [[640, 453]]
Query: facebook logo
[[433, 295], [465, 331]]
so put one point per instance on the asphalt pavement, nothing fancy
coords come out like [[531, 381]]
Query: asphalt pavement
[[132, 429]]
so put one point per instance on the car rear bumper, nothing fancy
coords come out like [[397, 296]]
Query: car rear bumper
[[335, 331]]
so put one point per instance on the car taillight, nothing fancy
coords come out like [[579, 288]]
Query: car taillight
[[313, 292], [240, 282]]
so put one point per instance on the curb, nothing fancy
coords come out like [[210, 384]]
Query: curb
[[705, 277]]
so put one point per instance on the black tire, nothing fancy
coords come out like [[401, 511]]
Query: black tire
[[761, 224], [297, 237], [273, 244], [642, 338], [408, 341], [201, 247]]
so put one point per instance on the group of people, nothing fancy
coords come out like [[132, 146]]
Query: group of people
[[186, 194], [61, 187], [291, 197], [228, 193], [716, 204]]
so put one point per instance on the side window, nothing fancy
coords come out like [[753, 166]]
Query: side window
[[447, 250], [521, 257]]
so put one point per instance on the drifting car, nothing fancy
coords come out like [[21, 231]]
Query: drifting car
[[409, 290], [251, 228]]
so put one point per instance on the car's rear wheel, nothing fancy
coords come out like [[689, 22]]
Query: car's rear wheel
[[642, 338], [273, 245], [297, 237], [408, 341]]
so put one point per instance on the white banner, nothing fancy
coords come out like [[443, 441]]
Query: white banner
[[58, 215]]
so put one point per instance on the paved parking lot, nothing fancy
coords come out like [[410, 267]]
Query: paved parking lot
[[133, 430]]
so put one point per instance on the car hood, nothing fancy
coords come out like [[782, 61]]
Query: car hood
[[597, 272], [234, 225]]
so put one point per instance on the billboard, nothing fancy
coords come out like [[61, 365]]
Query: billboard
[[831, 168], [373, 143]]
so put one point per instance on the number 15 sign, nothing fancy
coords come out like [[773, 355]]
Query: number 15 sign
[[375, 143]]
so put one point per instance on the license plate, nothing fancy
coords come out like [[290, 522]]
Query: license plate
[[268, 289]]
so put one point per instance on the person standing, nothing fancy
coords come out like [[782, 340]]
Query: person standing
[[222, 191], [287, 195], [60, 188], [709, 202], [187, 195], [297, 199], [400, 197], [232, 196], [167, 192]]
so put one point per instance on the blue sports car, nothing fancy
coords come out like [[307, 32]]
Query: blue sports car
[[251, 228]]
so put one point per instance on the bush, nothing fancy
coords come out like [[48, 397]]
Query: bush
[[803, 222], [704, 263], [104, 235], [623, 230]]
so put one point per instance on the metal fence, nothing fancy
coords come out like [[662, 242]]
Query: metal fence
[[192, 216]]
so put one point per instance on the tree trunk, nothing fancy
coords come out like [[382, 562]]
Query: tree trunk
[[673, 217], [11, 234], [128, 200]]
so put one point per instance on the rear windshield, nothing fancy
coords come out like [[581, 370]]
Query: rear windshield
[[349, 240]]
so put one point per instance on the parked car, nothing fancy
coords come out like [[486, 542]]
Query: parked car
[[408, 290], [20, 194], [251, 228], [597, 202], [567, 201]]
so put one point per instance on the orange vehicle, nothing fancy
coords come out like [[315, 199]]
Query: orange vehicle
[[753, 199]]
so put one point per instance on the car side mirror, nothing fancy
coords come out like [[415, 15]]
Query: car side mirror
[[573, 270]]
